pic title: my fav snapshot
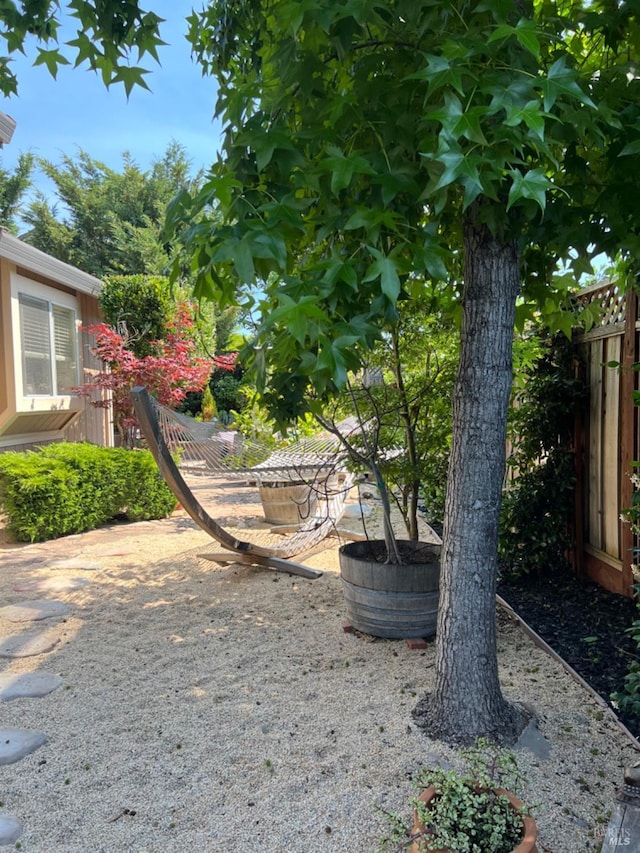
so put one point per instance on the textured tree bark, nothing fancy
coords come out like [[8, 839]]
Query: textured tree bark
[[467, 701]]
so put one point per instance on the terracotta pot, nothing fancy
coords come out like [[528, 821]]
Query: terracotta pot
[[529, 828]]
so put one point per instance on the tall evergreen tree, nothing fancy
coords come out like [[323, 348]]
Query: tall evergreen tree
[[13, 186], [109, 222]]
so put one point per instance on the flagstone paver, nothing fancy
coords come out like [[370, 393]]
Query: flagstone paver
[[15, 685], [116, 551], [10, 829], [77, 563], [34, 611], [23, 646], [16, 743], [58, 583]]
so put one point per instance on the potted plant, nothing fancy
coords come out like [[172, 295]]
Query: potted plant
[[400, 405], [390, 585], [469, 811]]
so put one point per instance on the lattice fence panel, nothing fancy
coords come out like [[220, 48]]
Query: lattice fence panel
[[611, 299]]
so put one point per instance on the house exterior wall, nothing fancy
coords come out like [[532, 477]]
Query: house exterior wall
[[94, 424], [31, 417]]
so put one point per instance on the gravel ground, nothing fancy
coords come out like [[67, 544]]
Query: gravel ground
[[212, 708]]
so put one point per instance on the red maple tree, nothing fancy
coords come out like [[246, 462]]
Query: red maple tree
[[169, 374], [226, 361]]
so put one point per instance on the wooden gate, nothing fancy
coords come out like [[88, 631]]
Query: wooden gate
[[607, 440]]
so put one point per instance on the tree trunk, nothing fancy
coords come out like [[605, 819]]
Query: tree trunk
[[467, 701], [411, 491]]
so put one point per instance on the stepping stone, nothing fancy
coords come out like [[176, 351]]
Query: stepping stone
[[10, 829], [34, 611], [16, 743], [55, 584], [121, 551], [24, 647], [31, 684], [533, 739], [77, 563]]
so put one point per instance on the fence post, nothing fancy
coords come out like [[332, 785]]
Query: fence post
[[627, 433]]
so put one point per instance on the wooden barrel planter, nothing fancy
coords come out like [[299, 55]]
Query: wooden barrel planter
[[288, 503], [387, 599]]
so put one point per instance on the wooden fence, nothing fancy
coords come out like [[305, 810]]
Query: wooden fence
[[607, 441]]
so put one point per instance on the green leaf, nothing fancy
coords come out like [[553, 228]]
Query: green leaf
[[344, 168], [468, 125], [363, 217], [471, 180], [52, 59], [449, 114], [385, 269], [243, 261], [177, 211], [452, 162], [129, 77], [266, 144], [581, 265], [531, 114], [630, 148], [527, 34], [267, 245], [439, 72], [562, 81], [501, 33], [532, 185], [85, 49]]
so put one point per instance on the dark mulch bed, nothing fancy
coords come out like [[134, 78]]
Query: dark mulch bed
[[584, 624]]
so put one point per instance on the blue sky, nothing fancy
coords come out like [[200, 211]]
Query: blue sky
[[56, 117]]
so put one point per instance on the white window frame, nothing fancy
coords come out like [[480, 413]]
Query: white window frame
[[42, 402]]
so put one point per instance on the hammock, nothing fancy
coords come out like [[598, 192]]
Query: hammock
[[207, 447]]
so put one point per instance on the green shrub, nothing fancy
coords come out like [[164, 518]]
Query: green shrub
[[537, 506], [228, 393], [148, 495], [628, 699], [69, 488], [142, 304], [209, 410]]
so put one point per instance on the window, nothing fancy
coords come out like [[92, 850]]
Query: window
[[49, 347]]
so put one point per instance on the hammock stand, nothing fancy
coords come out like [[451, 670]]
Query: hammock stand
[[166, 431]]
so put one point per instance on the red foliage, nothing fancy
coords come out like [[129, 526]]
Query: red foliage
[[226, 362], [169, 375]]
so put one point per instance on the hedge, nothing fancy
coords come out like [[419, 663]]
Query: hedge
[[69, 488]]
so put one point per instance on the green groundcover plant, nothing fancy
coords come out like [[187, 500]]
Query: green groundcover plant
[[69, 488], [469, 812]]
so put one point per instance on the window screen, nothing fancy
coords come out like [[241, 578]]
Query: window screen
[[64, 336], [36, 346], [49, 347]]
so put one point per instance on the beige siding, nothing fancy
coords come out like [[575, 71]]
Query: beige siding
[[94, 424]]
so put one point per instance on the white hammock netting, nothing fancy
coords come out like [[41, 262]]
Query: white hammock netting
[[213, 448], [209, 449]]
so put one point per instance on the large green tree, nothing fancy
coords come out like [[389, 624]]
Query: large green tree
[[13, 186], [376, 149], [109, 222]]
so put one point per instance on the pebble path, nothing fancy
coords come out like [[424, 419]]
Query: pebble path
[[16, 743]]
